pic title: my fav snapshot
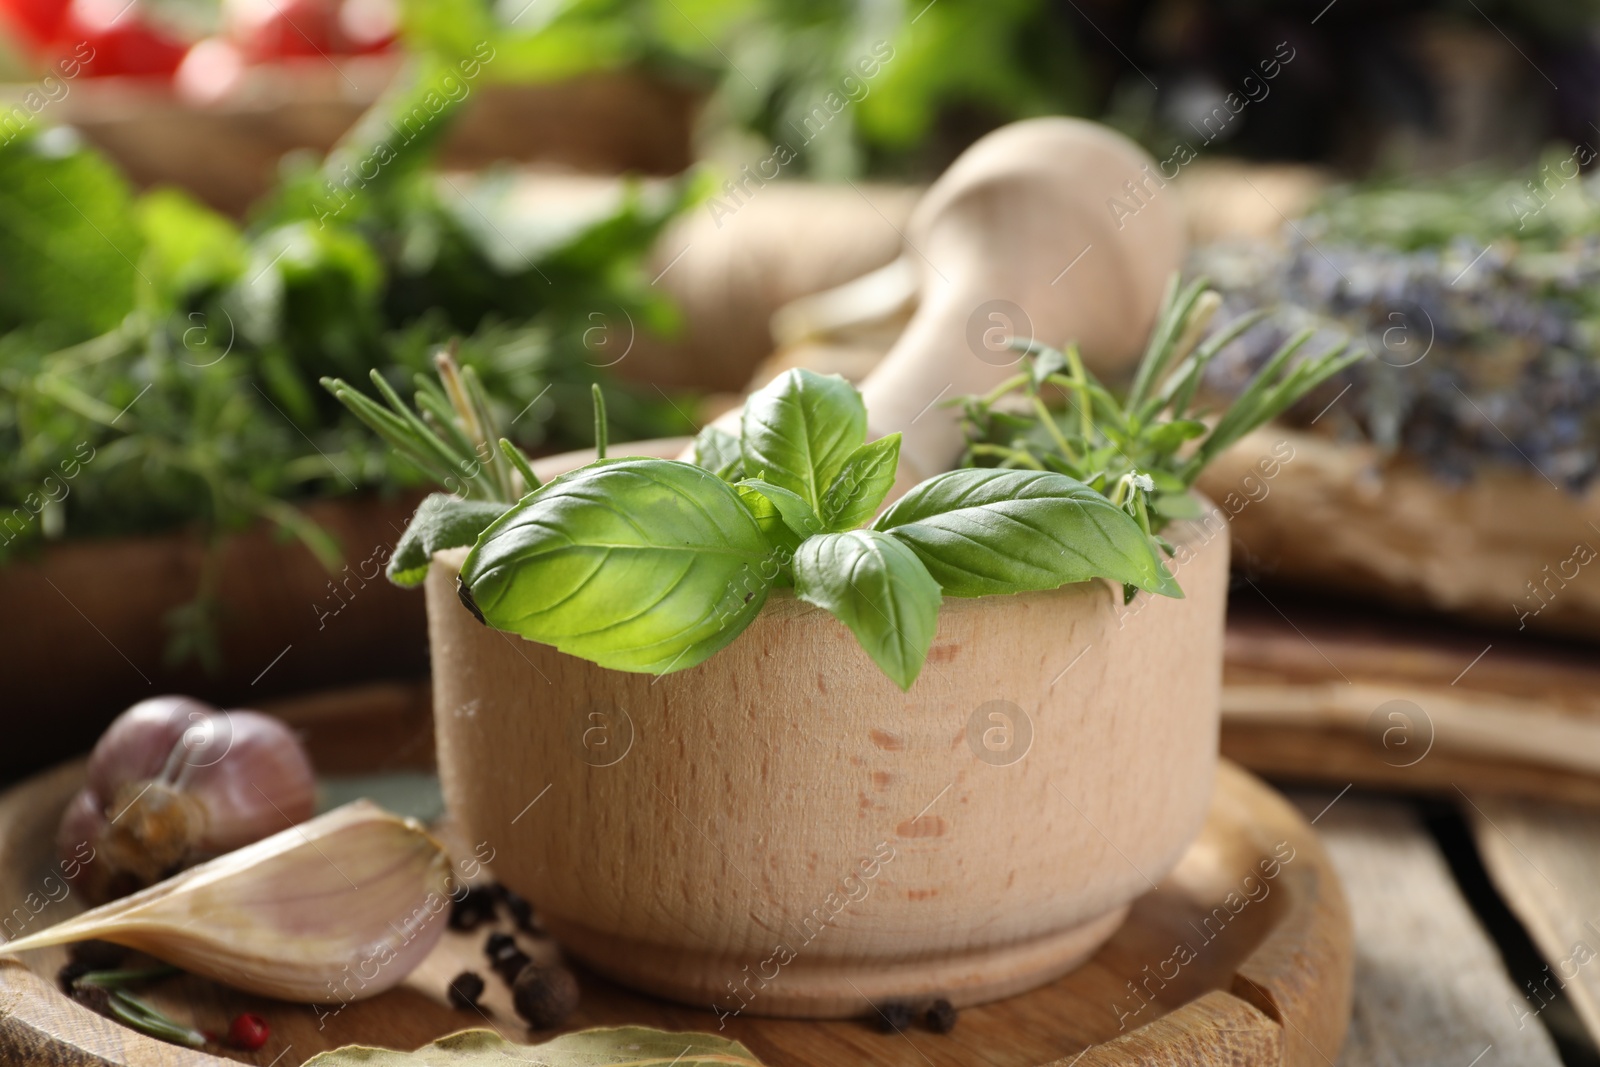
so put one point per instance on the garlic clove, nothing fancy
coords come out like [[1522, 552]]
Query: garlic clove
[[337, 909]]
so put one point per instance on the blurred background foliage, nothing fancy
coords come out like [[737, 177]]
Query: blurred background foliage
[[181, 348]]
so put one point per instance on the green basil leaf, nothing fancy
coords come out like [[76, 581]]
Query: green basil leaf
[[635, 1046], [441, 521], [796, 513], [879, 588], [718, 451], [861, 484], [634, 564], [769, 519], [990, 531], [799, 430]]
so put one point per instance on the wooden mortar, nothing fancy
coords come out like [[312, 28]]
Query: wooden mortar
[[781, 831]]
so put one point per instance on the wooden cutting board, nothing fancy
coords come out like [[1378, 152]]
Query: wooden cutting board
[[1265, 978]]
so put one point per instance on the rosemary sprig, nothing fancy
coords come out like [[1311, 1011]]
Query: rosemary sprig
[[451, 435], [135, 1012], [1145, 450]]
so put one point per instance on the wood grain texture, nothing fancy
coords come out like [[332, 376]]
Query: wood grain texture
[[90, 611], [1545, 860], [1409, 706], [1292, 938], [782, 825], [1430, 989], [227, 154], [1341, 516]]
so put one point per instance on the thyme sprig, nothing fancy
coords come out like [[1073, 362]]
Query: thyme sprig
[[1145, 449]]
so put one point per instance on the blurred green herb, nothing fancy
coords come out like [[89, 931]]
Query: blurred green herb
[[159, 364]]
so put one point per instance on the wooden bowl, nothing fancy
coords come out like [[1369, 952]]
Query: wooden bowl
[[781, 831]]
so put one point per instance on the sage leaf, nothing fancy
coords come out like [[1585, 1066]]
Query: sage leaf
[[798, 431], [636, 1046], [877, 587], [441, 521], [796, 513], [861, 484], [988, 530], [647, 565], [718, 451]]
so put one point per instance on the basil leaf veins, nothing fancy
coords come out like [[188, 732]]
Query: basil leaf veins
[[647, 565], [988, 530], [878, 587], [861, 484], [799, 430]]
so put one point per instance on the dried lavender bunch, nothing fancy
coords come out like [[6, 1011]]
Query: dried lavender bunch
[[1484, 353]]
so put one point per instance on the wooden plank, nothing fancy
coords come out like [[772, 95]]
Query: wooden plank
[[1430, 989], [1318, 695], [1339, 757], [1545, 860], [1260, 984]]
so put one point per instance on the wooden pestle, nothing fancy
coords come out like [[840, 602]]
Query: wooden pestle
[[1022, 237]]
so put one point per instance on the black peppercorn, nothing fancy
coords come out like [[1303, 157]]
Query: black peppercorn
[[465, 989], [98, 955], [545, 996], [940, 1017], [519, 909], [475, 906], [895, 1016]]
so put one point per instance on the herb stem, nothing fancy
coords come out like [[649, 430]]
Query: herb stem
[[600, 432], [1049, 421], [1003, 388]]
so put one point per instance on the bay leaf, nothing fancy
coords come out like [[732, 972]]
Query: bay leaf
[[621, 1046]]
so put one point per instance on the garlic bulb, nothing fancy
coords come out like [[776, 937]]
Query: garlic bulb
[[337, 909], [173, 781]]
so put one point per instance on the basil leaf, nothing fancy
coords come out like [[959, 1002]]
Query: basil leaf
[[441, 521], [800, 429], [861, 484], [796, 513], [780, 537], [990, 531], [879, 588], [634, 564], [718, 451]]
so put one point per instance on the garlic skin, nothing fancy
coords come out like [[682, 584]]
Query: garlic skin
[[174, 780], [340, 908]]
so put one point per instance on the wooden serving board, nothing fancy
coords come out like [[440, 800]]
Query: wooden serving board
[[1265, 978]]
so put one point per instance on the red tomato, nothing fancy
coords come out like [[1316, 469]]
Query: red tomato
[[121, 43], [37, 22], [276, 29]]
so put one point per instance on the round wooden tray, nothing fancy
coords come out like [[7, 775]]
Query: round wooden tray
[[1241, 956]]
